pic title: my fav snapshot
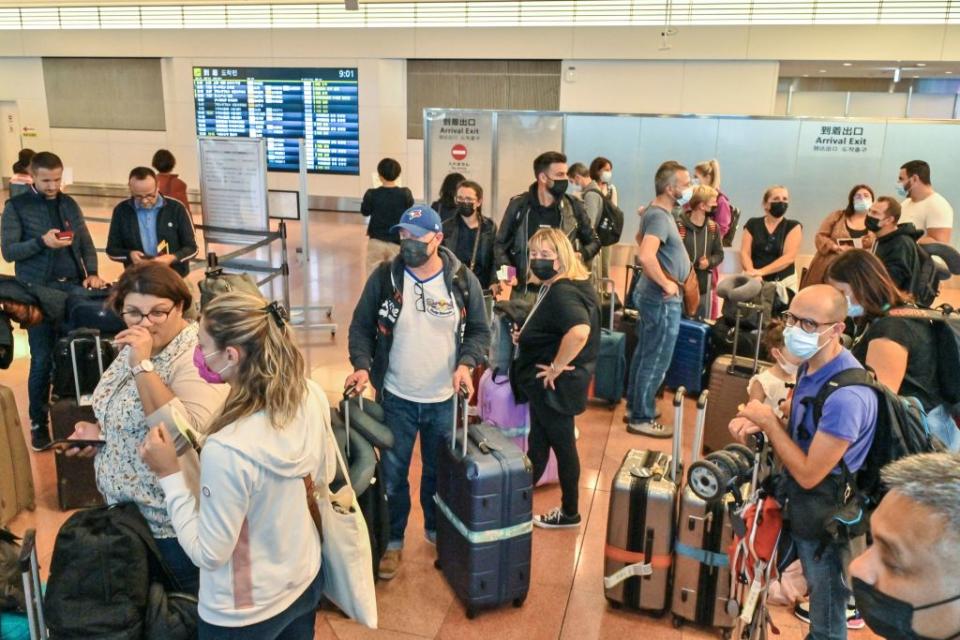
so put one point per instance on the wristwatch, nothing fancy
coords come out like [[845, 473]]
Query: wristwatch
[[143, 366]]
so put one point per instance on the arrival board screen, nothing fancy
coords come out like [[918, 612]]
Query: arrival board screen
[[283, 105]]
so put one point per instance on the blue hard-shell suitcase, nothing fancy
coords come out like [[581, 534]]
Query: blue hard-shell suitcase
[[611, 369], [484, 517], [691, 357]]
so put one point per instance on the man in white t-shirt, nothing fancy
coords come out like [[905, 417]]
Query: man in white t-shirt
[[925, 208], [418, 330]]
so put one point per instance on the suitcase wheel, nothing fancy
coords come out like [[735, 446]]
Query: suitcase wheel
[[707, 479], [614, 604], [743, 453], [729, 463], [677, 622], [436, 564], [518, 602], [471, 613]]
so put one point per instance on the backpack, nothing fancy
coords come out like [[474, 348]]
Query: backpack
[[946, 329], [108, 580], [215, 282], [727, 239], [901, 431], [387, 290], [11, 580], [609, 225], [925, 285]]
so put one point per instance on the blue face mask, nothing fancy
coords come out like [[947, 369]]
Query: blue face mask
[[801, 344], [902, 191], [685, 197], [854, 310], [862, 205]]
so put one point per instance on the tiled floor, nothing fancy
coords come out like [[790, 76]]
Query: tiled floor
[[566, 595]]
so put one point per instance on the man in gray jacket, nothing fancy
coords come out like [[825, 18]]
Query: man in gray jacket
[[43, 233], [418, 330]]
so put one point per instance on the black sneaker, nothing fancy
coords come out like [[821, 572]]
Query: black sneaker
[[557, 519], [39, 437]]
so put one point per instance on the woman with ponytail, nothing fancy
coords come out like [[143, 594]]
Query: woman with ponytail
[[251, 533]]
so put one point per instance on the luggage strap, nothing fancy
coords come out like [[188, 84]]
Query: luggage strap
[[709, 558], [482, 537], [638, 566]]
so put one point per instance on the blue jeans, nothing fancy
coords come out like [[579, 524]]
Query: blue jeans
[[828, 588], [658, 324], [942, 425], [296, 623], [43, 341], [434, 422], [180, 565]]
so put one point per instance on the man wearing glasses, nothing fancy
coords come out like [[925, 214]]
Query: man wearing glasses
[[818, 456], [45, 236], [151, 227], [417, 331]]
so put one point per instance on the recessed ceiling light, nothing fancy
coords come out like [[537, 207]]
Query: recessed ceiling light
[[916, 76], [823, 70], [949, 73], [848, 64], [806, 75], [921, 64]]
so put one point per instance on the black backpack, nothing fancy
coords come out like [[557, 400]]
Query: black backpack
[[727, 239], [901, 430], [925, 285], [609, 225], [946, 331], [108, 580]]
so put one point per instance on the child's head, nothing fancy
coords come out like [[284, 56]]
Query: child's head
[[388, 169], [774, 343]]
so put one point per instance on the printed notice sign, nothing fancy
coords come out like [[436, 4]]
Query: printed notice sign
[[842, 139]]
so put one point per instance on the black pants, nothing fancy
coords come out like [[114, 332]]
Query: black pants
[[552, 430]]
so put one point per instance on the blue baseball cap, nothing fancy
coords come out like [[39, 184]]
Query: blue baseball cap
[[418, 220]]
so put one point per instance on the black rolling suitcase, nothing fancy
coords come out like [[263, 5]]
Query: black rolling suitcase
[[76, 479], [484, 517], [79, 359]]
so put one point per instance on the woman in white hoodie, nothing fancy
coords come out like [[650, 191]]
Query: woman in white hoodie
[[252, 534]]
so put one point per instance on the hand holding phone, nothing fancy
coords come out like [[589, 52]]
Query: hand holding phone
[[64, 235], [65, 444]]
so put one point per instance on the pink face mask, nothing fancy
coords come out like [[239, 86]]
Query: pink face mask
[[208, 374]]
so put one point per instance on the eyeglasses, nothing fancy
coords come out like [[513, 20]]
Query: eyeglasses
[[146, 198], [421, 301], [465, 201], [807, 324], [135, 316]]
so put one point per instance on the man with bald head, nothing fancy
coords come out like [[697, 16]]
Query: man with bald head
[[817, 456], [907, 584]]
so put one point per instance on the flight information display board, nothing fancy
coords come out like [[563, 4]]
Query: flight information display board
[[282, 106]]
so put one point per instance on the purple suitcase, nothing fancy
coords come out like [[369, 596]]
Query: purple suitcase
[[499, 408]]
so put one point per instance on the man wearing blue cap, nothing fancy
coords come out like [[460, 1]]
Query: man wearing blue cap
[[418, 330]]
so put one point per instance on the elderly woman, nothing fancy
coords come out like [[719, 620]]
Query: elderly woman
[[152, 380], [558, 347]]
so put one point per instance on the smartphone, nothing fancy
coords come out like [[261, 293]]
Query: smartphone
[[64, 235], [846, 242], [74, 443]]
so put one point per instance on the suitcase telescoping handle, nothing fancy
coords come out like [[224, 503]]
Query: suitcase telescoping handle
[[608, 283], [73, 359], [30, 573], [677, 433], [701, 422], [736, 334], [460, 406]]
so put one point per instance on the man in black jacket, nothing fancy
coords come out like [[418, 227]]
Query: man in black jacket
[[151, 227], [546, 204], [44, 234], [417, 331], [896, 243]]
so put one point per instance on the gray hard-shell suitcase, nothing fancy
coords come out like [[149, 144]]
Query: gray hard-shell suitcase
[[484, 517], [641, 525], [701, 578], [728, 384]]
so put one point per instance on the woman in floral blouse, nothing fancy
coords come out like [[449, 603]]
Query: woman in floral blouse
[[152, 379]]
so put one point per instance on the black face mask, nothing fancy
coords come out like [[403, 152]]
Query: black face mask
[[712, 211], [414, 252], [543, 269], [465, 209], [890, 617], [872, 224], [778, 209], [558, 188]]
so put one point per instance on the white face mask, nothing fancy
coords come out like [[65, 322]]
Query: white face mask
[[606, 176]]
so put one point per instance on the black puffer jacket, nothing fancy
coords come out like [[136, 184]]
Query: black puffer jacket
[[898, 253], [25, 220], [511, 245]]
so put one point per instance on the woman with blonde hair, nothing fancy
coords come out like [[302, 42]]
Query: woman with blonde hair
[[557, 352], [708, 174], [251, 533], [701, 238]]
